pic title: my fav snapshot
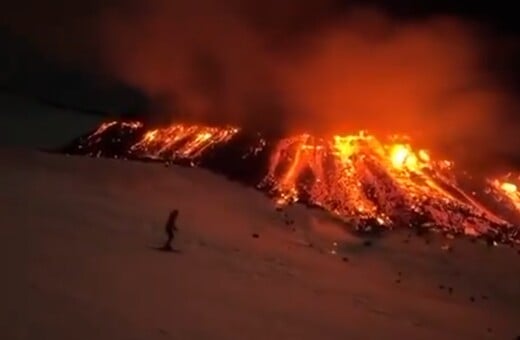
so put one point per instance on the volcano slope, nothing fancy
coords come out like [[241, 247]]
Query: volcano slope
[[78, 263]]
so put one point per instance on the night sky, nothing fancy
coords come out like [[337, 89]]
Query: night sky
[[128, 57]]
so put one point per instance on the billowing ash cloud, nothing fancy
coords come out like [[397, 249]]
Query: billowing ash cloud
[[304, 65]]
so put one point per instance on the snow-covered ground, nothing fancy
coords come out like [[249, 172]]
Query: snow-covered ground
[[78, 263]]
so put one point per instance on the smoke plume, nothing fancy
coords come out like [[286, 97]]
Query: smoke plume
[[305, 66]]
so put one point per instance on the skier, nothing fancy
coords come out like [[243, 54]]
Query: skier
[[170, 229]]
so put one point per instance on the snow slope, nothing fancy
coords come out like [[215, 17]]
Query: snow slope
[[78, 262]]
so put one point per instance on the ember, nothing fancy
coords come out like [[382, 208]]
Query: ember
[[365, 181]]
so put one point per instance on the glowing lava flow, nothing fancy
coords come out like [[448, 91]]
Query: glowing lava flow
[[182, 141], [359, 178], [507, 191]]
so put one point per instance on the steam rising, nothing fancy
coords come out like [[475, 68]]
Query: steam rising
[[301, 66]]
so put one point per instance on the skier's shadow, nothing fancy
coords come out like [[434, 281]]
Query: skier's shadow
[[165, 249]]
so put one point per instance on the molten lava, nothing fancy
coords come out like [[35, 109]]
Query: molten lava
[[358, 176], [507, 191], [181, 141], [366, 181]]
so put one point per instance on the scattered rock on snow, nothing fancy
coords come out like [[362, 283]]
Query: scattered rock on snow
[[289, 222], [490, 242], [447, 247]]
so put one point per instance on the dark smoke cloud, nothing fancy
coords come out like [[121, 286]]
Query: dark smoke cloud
[[300, 65]]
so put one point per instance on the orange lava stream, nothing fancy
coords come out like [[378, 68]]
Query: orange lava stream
[[365, 177], [507, 191], [182, 141]]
